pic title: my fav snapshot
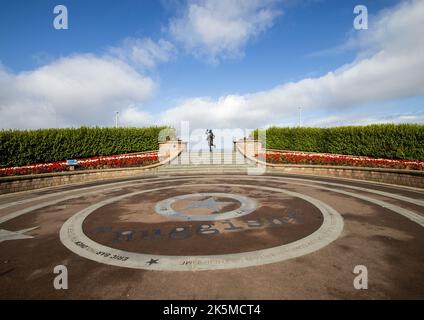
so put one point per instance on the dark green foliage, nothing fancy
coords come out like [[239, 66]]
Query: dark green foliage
[[35, 146], [402, 141]]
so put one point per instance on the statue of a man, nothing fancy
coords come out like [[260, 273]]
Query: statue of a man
[[209, 137]]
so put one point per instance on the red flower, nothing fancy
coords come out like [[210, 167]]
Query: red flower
[[117, 161], [294, 157]]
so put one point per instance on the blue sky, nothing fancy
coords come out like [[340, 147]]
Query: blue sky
[[214, 63]]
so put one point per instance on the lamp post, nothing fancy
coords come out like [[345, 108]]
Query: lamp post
[[300, 116], [116, 119]]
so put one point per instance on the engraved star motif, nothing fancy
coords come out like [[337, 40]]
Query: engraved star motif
[[15, 235], [209, 203], [152, 261]]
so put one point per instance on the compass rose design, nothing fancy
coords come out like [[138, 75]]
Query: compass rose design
[[15, 235], [214, 202], [210, 203]]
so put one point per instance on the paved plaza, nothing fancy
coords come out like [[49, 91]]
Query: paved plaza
[[186, 235]]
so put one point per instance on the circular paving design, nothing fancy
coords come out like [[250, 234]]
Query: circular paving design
[[256, 229], [171, 245], [207, 206]]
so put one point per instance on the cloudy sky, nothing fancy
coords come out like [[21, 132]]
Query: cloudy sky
[[215, 63]]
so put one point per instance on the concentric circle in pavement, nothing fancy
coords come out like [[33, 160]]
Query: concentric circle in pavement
[[206, 206], [254, 237], [134, 235]]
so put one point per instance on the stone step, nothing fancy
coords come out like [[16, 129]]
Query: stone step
[[182, 167], [204, 170], [200, 168], [213, 163], [210, 153], [208, 164], [177, 165], [210, 157], [208, 161]]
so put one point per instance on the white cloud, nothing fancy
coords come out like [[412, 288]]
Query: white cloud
[[390, 65], [83, 89], [144, 52], [220, 29], [73, 91], [87, 89], [131, 117]]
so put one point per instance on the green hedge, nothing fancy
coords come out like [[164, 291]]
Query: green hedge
[[34, 146], [403, 141]]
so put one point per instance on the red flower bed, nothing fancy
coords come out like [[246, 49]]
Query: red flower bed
[[101, 162], [293, 157]]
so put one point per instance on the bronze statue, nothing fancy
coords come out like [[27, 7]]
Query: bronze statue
[[209, 137]]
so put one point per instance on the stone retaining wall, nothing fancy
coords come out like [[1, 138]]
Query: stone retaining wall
[[31, 182], [411, 178], [37, 181], [398, 177]]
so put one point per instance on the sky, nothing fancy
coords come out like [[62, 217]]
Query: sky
[[214, 63]]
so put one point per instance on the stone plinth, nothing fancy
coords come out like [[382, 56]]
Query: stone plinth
[[250, 148], [170, 149]]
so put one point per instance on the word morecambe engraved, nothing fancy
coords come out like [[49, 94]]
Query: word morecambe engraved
[[72, 233]]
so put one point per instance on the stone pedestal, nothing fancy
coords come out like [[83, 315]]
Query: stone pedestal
[[170, 149], [250, 148]]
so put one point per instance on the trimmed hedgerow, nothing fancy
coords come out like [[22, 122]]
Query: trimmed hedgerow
[[392, 141], [23, 147]]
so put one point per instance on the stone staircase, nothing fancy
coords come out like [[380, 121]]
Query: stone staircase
[[218, 161]]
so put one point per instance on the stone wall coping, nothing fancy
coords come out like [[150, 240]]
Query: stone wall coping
[[246, 140], [387, 170], [71, 173], [329, 154]]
